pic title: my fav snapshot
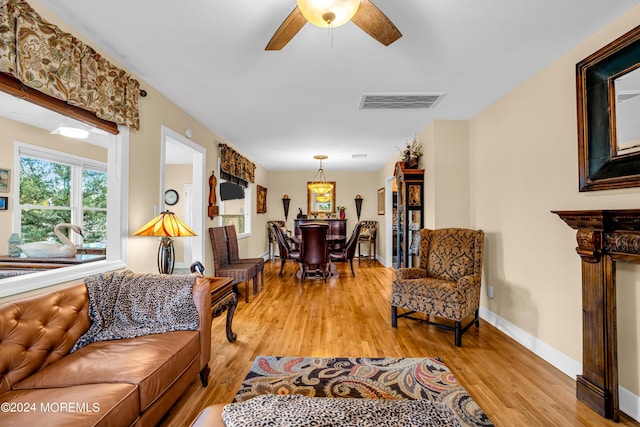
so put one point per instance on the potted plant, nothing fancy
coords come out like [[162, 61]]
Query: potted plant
[[341, 212], [411, 154]]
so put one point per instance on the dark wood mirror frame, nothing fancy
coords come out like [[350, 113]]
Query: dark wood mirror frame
[[600, 166]]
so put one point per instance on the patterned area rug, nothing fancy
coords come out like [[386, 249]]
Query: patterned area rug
[[381, 378]]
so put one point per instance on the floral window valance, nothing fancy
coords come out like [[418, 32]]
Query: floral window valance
[[235, 167], [51, 61]]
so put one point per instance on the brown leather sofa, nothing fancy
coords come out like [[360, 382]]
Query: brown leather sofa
[[128, 382]]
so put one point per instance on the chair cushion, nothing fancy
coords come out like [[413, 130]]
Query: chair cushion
[[439, 297]]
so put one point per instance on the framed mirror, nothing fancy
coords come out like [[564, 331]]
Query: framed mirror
[[608, 98], [321, 204]]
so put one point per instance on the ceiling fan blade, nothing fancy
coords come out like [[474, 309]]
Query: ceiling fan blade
[[289, 28], [375, 23]]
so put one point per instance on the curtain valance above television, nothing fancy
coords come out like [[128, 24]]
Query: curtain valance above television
[[44, 58], [235, 167]]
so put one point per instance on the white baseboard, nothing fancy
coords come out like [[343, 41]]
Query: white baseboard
[[629, 402]]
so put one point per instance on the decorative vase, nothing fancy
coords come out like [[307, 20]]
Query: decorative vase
[[411, 163], [342, 215]]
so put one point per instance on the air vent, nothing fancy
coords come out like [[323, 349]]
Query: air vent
[[372, 101], [359, 156]]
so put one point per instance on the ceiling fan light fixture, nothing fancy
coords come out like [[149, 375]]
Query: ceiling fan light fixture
[[328, 13]]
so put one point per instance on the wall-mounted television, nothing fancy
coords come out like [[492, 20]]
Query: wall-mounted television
[[231, 191]]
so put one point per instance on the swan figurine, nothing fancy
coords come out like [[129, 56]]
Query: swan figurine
[[53, 249]]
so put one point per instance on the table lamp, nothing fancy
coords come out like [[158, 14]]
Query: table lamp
[[166, 225]]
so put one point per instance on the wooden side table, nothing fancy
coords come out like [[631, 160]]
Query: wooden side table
[[224, 296]]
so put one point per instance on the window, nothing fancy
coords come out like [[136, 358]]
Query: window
[[56, 187], [235, 206], [117, 216]]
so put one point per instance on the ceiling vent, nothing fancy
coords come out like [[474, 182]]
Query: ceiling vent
[[398, 101]]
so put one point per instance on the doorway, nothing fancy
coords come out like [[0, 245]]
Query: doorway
[[183, 170]]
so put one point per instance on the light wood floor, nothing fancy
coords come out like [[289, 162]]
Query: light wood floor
[[350, 317]]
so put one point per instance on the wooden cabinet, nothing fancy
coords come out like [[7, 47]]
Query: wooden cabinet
[[409, 214], [336, 226]]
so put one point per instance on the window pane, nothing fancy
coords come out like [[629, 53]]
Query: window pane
[[44, 183], [38, 224], [95, 227], [94, 189]]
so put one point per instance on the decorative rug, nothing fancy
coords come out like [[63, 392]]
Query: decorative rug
[[376, 378]]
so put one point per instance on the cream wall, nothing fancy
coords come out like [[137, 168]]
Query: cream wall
[[445, 146], [523, 165], [348, 185]]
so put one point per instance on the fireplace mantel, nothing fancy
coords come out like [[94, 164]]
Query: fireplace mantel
[[604, 237]]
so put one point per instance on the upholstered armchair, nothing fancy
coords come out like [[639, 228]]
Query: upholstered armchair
[[446, 284]]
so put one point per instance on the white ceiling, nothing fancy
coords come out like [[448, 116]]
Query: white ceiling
[[282, 107]]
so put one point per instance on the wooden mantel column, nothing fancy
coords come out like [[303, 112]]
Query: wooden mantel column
[[604, 237]]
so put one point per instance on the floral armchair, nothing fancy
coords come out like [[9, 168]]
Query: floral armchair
[[447, 282]]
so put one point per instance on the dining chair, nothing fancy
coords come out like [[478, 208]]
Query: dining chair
[[285, 251], [234, 257], [349, 251], [314, 250], [223, 268], [368, 237], [273, 241]]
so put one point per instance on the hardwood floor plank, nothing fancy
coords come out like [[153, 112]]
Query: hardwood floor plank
[[351, 317]]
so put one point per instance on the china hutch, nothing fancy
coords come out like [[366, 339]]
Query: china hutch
[[409, 214]]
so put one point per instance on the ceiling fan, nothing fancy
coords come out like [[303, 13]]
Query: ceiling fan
[[329, 14]]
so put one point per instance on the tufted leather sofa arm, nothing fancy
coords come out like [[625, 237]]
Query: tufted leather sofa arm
[[39, 330]]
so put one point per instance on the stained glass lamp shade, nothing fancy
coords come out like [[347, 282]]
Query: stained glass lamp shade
[[166, 225]]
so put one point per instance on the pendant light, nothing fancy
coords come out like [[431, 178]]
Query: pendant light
[[319, 184]]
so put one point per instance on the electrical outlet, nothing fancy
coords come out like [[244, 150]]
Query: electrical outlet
[[490, 291]]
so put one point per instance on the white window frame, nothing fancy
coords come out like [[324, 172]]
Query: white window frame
[[117, 225], [78, 166]]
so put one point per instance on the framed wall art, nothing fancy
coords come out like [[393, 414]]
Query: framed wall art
[[381, 201], [4, 202], [261, 204], [4, 180]]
